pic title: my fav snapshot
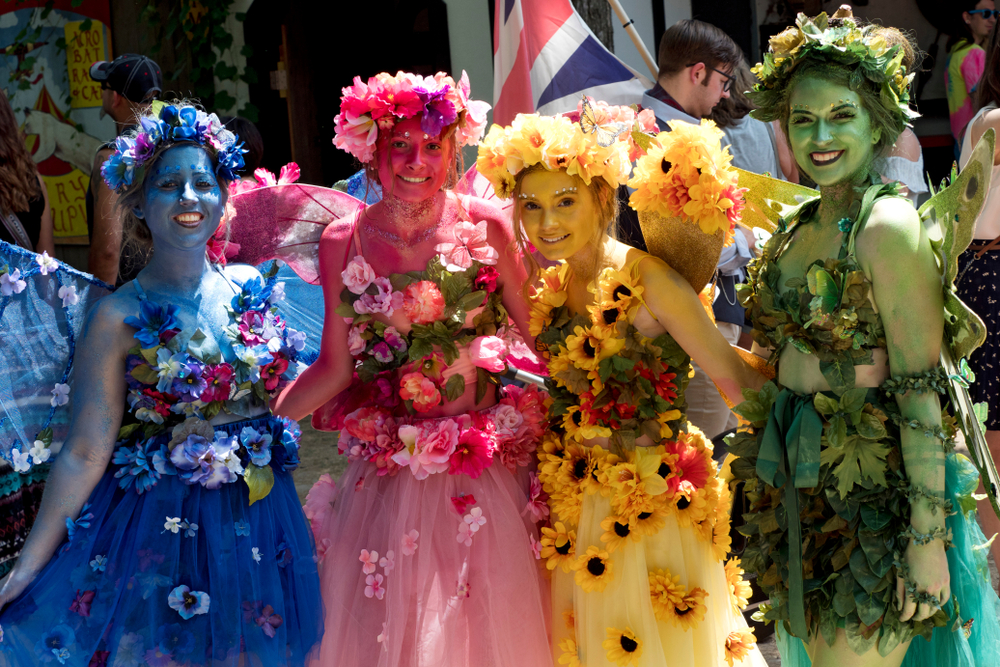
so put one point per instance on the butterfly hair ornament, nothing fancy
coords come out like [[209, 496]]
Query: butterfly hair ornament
[[596, 141], [174, 123]]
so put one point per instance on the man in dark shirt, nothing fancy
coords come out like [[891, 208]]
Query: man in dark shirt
[[129, 83]]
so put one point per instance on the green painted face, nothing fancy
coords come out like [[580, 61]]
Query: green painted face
[[830, 132]]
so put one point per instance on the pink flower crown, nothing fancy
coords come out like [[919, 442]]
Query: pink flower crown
[[368, 108]]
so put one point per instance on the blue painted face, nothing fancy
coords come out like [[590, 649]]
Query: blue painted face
[[183, 199]]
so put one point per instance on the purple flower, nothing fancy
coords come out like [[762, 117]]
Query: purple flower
[[439, 112], [144, 148], [174, 639], [258, 445], [382, 352], [188, 603], [190, 387], [54, 643], [188, 454], [137, 467], [395, 341], [153, 320]]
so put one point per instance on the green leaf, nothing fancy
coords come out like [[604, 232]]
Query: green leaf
[[839, 372], [224, 71], [450, 351], [240, 16], [246, 51], [224, 101], [204, 348], [853, 400], [604, 369], [874, 516], [454, 387], [259, 480], [768, 395], [482, 384], [419, 349], [862, 459], [836, 432], [249, 76], [752, 411], [856, 640], [870, 606], [472, 300], [825, 405], [123, 432], [870, 427], [212, 409], [981, 411], [862, 572], [86, 25], [250, 112], [144, 374]]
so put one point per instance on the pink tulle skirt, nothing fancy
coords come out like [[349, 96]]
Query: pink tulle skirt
[[434, 572]]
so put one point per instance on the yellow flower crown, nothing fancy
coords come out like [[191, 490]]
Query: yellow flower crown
[[555, 143]]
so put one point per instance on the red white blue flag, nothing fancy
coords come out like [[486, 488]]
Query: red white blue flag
[[545, 57]]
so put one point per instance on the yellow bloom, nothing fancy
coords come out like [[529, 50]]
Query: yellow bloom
[[618, 287], [550, 460], [691, 610], [558, 546], [722, 541], [580, 425], [578, 468], [570, 619], [622, 647], [739, 644], [739, 589], [635, 485], [606, 313], [666, 593], [587, 347], [566, 505], [787, 42], [664, 418], [570, 657], [650, 523], [617, 532], [691, 508], [593, 570]]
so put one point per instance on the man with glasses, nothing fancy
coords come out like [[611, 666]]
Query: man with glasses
[[129, 84]]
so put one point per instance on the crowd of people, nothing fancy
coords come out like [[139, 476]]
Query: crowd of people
[[484, 521]]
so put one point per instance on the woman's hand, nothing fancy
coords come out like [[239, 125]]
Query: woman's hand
[[13, 585], [928, 567]]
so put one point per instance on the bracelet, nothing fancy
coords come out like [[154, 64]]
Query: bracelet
[[916, 493], [936, 380], [910, 587], [920, 539], [930, 430]]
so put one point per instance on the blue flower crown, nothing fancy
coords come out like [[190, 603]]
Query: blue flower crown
[[175, 124]]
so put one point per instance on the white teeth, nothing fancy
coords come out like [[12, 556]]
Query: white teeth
[[415, 180], [555, 240], [188, 217], [826, 157]]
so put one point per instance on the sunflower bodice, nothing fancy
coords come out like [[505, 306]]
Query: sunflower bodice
[[606, 379]]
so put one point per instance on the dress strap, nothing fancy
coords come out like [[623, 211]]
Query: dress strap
[[632, 269], [138, 289]]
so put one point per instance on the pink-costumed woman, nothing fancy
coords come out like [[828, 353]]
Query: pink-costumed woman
[[428, 543]]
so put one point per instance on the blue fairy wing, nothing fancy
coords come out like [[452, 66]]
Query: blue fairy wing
[[302, 308], [39, 331]]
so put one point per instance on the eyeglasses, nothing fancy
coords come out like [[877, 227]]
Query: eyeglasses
[[987, 13], [727, 84]]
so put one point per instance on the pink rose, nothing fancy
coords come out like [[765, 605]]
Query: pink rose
[[507, 419], [358, 275], [422, 391], [422, 302], [488, 352], [435, 444], [355, 343], [384, 301], [472, 130]]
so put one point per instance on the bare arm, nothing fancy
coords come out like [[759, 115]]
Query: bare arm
[[895, 251], [46, 239], [978, 129], [676, 306], [105, 246], [98, 407], [332, 371]]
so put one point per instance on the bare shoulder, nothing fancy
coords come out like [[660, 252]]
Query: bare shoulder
[[892, 227], [907, 146], [106, 319], [654, 273], [340, 231]]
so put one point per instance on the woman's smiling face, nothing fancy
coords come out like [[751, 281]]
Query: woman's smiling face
[[830, 131], [558, 213]]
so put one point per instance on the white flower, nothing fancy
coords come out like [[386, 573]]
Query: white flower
[[47, 263], [277, 292], [173, 525], [383, 636], [68, 295], [39, 452], [256, 554], [99, 563], [388, 561], [20, 460], [60, 395], [11, 283], [475, 519], [296, 339]]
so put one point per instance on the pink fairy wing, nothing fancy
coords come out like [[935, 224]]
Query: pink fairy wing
[[285, 222], [473, 183]]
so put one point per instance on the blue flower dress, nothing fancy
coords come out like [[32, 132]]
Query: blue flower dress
[[193, 549]]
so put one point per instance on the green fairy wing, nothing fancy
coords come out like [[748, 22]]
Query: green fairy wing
[[770, 199]]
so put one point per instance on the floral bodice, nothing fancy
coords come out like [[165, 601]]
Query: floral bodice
[[828, 312], [605, 378], [451, 311]]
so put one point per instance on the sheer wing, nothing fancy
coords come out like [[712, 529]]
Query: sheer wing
[[302, 308], [769, 199], [473, 183], [285, 222], [41, 316]]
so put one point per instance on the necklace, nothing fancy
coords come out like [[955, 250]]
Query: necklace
[[407, 215]]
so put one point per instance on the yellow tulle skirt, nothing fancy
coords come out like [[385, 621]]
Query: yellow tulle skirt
[[638, 550]]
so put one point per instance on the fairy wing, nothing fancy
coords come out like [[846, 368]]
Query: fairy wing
[[770, 199], [39, 331], [286, 222]]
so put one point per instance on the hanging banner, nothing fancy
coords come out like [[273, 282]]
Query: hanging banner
[[44, 69]]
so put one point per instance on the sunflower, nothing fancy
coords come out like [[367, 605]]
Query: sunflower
[[617, 532], [691, 509], [691, 610], [739, 644], [650, 523], [569, 617], [607, 313], [587, 347], [593, 570], [558, 546], [570, 656], [622, 647], [581, 424], [739, 589], [618, 287], [665, 592], [558, 363], [550, 459], [550, 294], [579, 469], [566, 505]]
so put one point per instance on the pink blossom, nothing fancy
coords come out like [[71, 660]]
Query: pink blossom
[[358, 275], [534, 546], [422, 302], [421, 390], [264, 177], [289, 174], [355, 343], [374, 586], [470, 132], [384, 301], [507, 419], [388, 561], [322, 546], [319, 501], [409, 542], [435, 443], [475, 519], [370, 560], [537, 506], [363, 423], [473, 454], [382, 352], [488, 352], [486, 279], [470, 245], [356, 135], [647, 120], [395, 341], [462, 501], [464, 534], [384, 635]]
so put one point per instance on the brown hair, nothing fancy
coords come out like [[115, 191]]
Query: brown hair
[[691, 41], [18, 175], [606, 199], [737, 105], [988, 90]]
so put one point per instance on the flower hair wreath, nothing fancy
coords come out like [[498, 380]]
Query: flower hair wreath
[[175, 124]]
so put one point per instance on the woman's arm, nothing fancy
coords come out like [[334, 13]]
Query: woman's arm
[[895, 251], [98, 407], [332, 371], [678, 309], [46, 240]]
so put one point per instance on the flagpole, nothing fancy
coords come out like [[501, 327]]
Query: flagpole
[[630, 29]]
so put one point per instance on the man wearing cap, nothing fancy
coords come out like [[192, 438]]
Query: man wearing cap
[[129, 83]]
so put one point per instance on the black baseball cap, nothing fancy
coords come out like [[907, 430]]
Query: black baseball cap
[[136, 77]]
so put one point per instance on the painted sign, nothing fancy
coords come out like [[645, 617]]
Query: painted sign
[[45, 73]]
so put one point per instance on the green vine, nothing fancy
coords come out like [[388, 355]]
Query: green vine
[[196, 28]]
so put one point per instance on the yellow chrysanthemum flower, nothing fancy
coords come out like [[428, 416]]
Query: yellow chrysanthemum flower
[[635, 485], [722, 541], [593, 570], [691, 508], [691, 609], [739, 644], [617, 533], [622, 647], [566, 505], [666, 592], [558, 546], [569, 656], [739, 589]]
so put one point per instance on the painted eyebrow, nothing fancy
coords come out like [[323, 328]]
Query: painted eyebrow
[[846, 105]]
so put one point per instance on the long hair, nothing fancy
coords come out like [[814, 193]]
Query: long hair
[[988, 90], [958, 30], [18, 175], [737, 105]]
